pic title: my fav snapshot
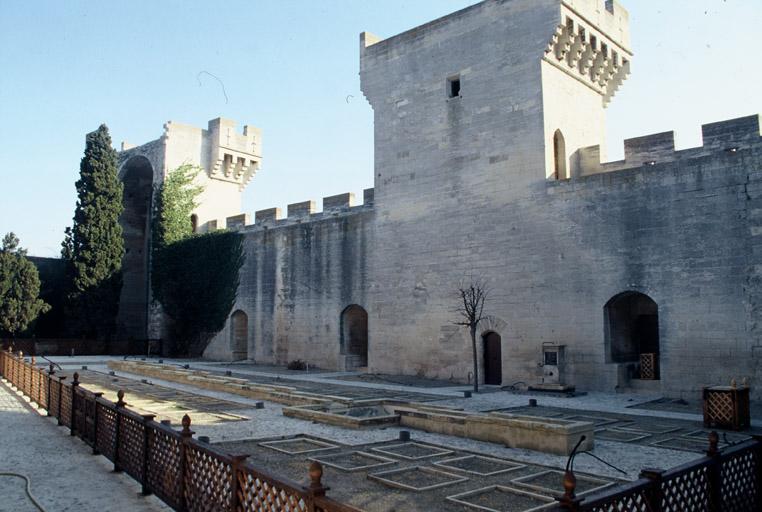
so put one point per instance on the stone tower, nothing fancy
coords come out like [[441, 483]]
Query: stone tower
[[229, 160], [472, 113]]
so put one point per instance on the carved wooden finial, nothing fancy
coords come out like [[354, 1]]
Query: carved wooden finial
[[186, 426], [34, 360], [76, 379], [733, 383], [120, 398], [316, 475], [51, 371], [745, 382], [570, 486]]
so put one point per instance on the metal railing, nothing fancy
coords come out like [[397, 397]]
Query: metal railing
[[186, 474]]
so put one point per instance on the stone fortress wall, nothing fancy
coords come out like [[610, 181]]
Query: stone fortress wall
[[486, 122]]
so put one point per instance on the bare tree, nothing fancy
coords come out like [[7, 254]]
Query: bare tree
[[472, 294]]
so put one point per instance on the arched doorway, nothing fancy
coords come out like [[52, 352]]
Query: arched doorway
[[493, 358], [239, 335], [137, 178], [354, 336], [632, 332], [559, 156]]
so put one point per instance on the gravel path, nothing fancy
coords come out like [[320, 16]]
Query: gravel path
[[65, 475]]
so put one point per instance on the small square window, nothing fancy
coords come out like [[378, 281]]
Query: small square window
[[453, 87]]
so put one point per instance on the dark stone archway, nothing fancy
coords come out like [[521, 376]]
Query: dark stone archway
[[632, 328], [354, 336], [137, 177]]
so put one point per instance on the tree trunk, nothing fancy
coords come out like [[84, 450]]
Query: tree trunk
[[476, 360]]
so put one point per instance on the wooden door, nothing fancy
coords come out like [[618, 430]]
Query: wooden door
[[493, 359]]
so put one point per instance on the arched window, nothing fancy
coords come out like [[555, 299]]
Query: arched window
[[632, 328], [194, 223], [354, 335], [559, 156], [239, 335]]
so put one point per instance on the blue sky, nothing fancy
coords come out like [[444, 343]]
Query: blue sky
[[288, 67]]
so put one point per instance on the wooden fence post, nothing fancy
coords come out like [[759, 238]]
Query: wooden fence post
[[714, 473], [234, 485], [60, 396], [74, 386], [145, 488], [655, 492], [186, 435], [120, 403], [316, 488], [51, 372]]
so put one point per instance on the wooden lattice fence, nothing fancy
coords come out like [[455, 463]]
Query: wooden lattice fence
[[191, 476], [186, 474]]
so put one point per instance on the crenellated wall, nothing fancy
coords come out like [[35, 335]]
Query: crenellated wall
[[731, 136], [300, 273]]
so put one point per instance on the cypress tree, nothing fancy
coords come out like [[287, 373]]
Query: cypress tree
[[94, 245], [20, 304]]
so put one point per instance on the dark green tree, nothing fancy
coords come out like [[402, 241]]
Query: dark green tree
[[20, 304], [94, 245], [196, 281]]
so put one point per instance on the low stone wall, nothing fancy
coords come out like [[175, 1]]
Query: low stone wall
[[206, 380]]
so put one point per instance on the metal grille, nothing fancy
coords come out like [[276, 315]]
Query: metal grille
[[164, 455], [688, 491], [208, 478], [256, 493], [648, 366]]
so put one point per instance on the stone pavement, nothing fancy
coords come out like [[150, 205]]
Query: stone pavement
[[65, 475]]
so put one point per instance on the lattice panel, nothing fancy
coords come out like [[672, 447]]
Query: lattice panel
[[739, 485], [80, 422], [66, 405], [720, 408], [256, 493], [106, 442], [131, 446], [207, 481], [43, 389], [55, 396], [164, 451], [34, 386], [85, 405], [688, 491], [633, 502]]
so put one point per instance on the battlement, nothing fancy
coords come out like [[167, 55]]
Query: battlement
[[304, 211], [731, 136]]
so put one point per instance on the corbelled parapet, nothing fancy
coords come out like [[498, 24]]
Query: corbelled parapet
[[731, 136], [235, 157], [591, 43]]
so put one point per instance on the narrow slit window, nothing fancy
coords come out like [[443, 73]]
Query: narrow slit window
[[453, 87]]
